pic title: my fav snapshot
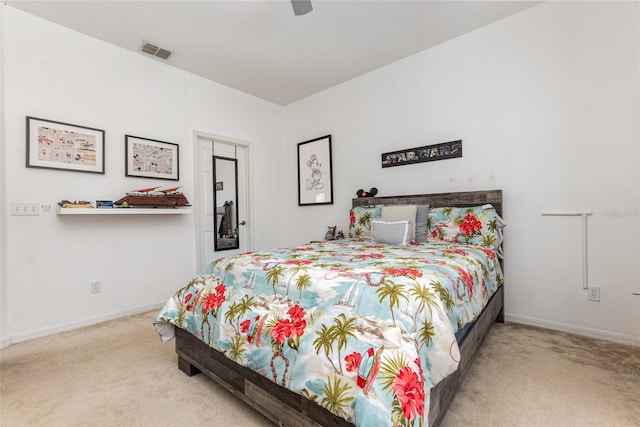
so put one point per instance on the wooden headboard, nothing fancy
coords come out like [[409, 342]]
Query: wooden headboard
[[438, 200]]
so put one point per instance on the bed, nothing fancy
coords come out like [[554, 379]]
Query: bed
[[353, 331]]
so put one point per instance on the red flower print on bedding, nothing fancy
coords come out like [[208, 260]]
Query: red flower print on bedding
[[410, 392], [280, 331], [298, 261], [244, 326], [454, 252], [213, 302], [437, 232], [296, 312], [290, 330], [352, 361], [369, 256], [467, 279], [186, 301], [374, 246], [470, 225], [490, 253]]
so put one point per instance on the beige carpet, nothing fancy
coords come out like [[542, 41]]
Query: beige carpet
[[119, 374]]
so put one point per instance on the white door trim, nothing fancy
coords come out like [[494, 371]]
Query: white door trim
[[197, 170]]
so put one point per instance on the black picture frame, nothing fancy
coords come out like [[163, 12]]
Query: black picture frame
[[315, 177], [428, 153], [151, 158], [64, 146]]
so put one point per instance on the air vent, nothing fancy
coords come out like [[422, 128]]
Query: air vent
[[163, 53], [155, 50]]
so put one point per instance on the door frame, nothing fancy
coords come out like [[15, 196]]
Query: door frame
[[197, 171]]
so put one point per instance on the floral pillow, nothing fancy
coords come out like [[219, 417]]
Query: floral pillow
[[478, 225], [360, 221]]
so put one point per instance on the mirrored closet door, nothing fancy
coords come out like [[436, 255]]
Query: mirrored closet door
[[225, 200]]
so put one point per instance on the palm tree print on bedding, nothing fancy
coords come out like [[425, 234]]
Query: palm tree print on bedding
[[365, 330]]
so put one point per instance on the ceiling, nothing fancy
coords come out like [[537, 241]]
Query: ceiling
[[263, 49]]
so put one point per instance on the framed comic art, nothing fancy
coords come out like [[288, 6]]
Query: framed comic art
[[64, 146], [315, 181], [150, 158]]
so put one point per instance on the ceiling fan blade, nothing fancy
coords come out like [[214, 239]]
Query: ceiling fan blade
[[301, 7]]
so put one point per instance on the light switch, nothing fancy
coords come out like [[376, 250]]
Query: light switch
[[25, 209]]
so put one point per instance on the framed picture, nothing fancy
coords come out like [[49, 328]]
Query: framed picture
[[149, 158], [428, 153], [315, 182], [57, 145]]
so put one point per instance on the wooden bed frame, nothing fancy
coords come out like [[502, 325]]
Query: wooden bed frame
[[286, 408]]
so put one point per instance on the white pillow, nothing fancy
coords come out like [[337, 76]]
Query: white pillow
[[391, 232], [402, 212]]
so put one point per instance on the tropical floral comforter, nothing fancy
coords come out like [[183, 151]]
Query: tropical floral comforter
[[365, 330]]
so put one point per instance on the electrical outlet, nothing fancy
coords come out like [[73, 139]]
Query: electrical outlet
[[95, 286], [593, 294]]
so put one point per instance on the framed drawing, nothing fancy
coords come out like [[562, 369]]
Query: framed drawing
[[57, 145], [315, 181], [150, 158]]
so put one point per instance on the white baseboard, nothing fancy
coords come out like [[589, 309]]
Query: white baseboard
[[39, 333], [573, 329], [5, 342], [515, 318]]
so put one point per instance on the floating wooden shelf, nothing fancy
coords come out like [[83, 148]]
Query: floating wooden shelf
[[123, 211]]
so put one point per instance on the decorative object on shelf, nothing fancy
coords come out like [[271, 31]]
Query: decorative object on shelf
[[428, 153], [370, 193], [340, 235], [153, 197], [57, 145], [315, 182], [81, 204], [150, 158], [103, 204]]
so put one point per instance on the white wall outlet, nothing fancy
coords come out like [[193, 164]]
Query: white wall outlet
[[95, 286], [25, 209], [593, 294]]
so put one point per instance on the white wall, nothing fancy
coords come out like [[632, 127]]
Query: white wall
[[54, 73], [4, 328], [546, 103]]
